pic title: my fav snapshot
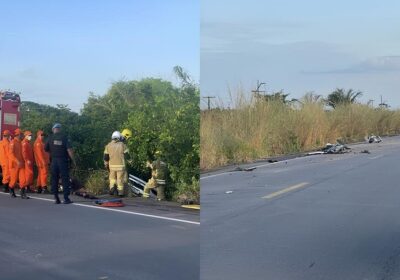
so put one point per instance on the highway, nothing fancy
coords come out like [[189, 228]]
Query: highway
[[315, 217], [144, 240]]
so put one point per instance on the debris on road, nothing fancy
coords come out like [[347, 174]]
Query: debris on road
[[338, 148], [243, 169], [114, 202], [365, 152], [229, 192], [374, 139], [316, 153], [272, 160]]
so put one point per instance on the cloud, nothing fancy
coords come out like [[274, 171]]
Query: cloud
[[372, 65], [235, 36]]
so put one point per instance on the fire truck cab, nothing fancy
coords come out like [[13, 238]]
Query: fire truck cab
[[10, 103]]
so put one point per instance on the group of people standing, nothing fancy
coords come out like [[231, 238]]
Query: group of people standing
[[18, 155], [17, 158]]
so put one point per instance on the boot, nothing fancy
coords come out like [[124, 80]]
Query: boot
[[66, 198], [67, 201], [57, 199], [23, 193], [121, 193], [12, 193], [5, 188], [112, 191]]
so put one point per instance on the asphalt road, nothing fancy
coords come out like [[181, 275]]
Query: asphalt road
[[41, 240], [317, 217]]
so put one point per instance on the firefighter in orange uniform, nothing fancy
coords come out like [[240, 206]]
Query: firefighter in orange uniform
[[17, 165], [4, 159], [27, 153], [42, 159]]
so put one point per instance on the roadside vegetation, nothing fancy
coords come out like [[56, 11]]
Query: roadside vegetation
[[262, 126], [163, 117]]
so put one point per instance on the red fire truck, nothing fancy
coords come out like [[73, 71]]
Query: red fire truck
[[10, 103]]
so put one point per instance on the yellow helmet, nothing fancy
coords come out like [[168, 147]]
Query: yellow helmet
[[126, 133]]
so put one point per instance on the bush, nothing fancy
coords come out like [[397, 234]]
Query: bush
[[188, 193], [97, 182], [258, 128]]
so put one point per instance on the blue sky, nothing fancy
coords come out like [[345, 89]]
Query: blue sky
[[301, 46], [56, 52]]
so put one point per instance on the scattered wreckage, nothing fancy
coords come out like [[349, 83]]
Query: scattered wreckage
[[338, 148], [374, 139], [341, 148]]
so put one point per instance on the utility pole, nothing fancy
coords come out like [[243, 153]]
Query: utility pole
[[257, 91], [208, 100], [383, 104]]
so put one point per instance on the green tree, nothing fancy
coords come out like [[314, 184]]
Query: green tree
[[162, 117], [342, 97], [278, 96], [170, 124]]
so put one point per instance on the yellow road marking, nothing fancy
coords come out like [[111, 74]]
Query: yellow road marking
[[192, 206], [292, 188]]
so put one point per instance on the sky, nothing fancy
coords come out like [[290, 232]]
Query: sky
[[300, 46], [56, 52]]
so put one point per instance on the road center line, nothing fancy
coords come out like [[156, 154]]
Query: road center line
[[120, 211], [286, 190]]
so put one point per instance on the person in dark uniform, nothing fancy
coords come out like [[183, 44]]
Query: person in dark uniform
[[60, 150]]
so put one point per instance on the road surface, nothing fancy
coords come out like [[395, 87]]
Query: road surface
[[317, 217], [41, 240]]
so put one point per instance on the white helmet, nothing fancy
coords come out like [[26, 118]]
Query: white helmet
[[116, 135]]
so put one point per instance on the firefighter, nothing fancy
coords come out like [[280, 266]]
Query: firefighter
[[115, 155], [126, 134], [17, 165], [60, 149], [42, 162], [158, 177], [4, 159], [27, 153]]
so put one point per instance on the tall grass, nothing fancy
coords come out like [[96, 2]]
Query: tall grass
[[257, 129]]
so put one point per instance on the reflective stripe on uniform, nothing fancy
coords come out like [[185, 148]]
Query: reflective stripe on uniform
[[116, 166]]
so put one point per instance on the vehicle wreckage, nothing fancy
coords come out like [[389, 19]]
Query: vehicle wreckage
[[374, 139], [338, 148]]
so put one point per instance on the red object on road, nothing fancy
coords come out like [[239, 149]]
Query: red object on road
[[112, 204]]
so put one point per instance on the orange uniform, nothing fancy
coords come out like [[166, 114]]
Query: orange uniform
[[4, 157], [17, 166], [27, 153], [42, 159]]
